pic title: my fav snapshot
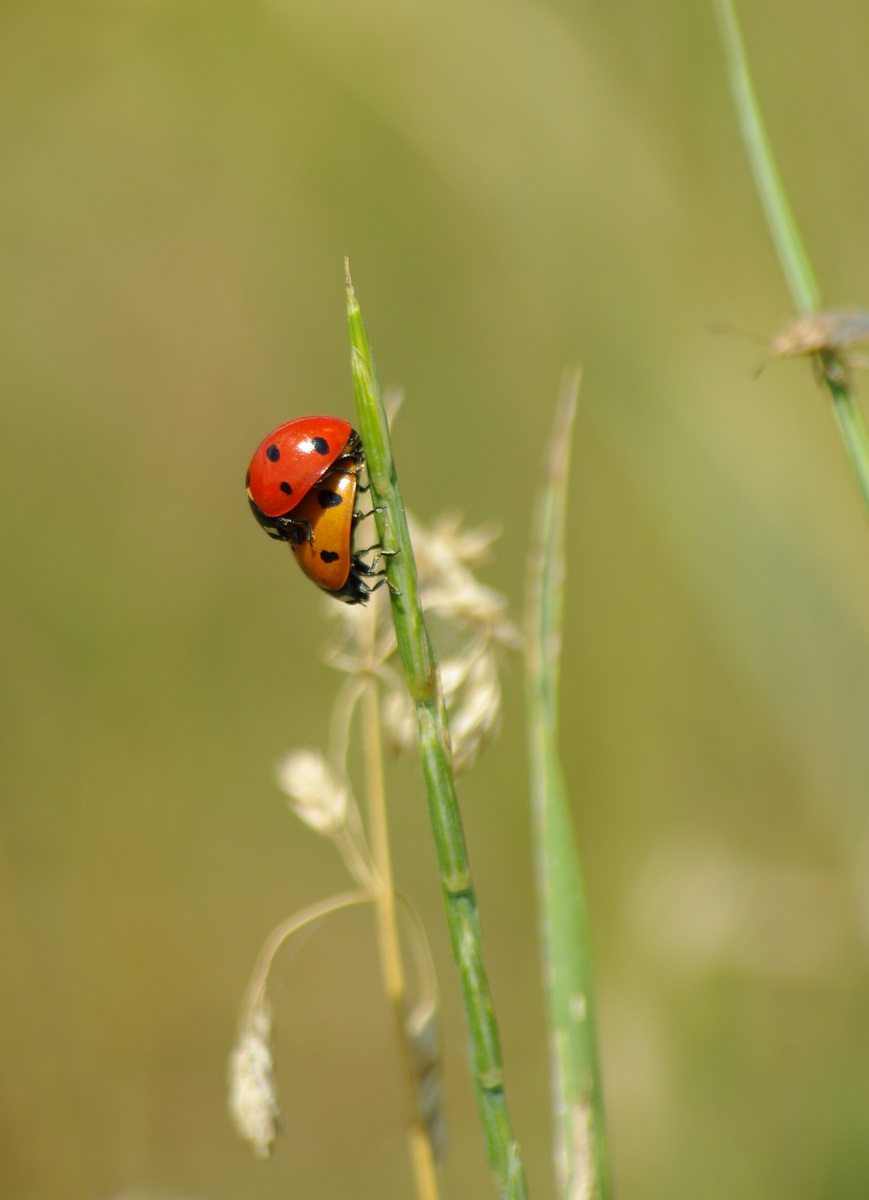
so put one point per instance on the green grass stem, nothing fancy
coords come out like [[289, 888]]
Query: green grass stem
[[792, 256], [581, 1158], [788, 244], [420, 669], [852, 427]]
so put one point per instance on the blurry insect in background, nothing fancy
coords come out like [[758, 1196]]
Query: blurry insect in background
[[828, 338], [825, 337]]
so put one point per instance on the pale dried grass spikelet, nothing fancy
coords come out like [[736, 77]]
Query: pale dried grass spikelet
[[253, 1102], [317, 795], [448, 542], [444, 555], [476, 717], [472, 694], [467, 604], [470, 624], [477, 625]]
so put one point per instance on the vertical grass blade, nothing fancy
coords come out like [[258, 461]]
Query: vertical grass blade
[[779, 217], [786, 238], [581, 1159], [422, 678]]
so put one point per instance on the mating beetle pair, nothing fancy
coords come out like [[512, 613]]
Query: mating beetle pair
[[302, 485]]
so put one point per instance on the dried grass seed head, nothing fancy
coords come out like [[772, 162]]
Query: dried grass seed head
[[446, 540], [470, 623], [476, 715], [253, 1101], [317, 795], [444, 555]]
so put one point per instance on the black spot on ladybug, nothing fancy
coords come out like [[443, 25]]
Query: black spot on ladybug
[[285, 487], [328, 556], [273, 453], [320, 445], [329, 499]]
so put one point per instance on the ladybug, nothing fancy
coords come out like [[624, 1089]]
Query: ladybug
[[302, 485], [287, 464], [326, 554]]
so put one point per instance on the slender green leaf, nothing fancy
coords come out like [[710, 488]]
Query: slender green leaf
[[581, 1158]]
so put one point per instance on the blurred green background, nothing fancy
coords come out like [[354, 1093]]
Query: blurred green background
[[519, 186]]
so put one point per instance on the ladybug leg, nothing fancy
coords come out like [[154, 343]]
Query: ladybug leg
[[294, 530], [365, 568], [362, 568], [283, 529], [356, 590], [380, 555], [393, 589]]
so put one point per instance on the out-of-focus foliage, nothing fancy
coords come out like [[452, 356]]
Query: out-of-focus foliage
[[559, 181]]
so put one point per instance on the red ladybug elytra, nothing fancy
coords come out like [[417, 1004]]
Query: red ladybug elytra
[[287, 464]]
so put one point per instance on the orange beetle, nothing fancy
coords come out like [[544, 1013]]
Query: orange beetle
[[327, 555]]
